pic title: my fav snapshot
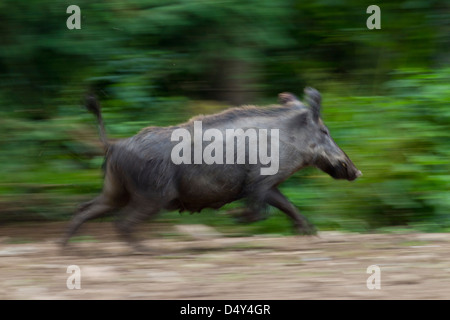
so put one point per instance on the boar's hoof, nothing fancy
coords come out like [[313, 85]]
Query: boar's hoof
[[308, 230]]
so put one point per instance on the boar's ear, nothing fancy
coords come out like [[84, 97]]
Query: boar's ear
[[314, 100], [286, 98]]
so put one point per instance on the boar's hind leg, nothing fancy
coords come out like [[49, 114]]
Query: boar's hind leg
[[113, 197], [133, 214], [89, 210], [278, 200]]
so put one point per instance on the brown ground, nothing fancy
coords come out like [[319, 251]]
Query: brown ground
[[195, 262]]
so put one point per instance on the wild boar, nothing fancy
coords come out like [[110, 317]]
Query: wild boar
[[209, 161]]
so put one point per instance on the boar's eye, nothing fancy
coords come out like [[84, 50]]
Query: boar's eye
[[324, 131], [344, 164]]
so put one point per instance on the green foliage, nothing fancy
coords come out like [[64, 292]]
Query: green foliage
[[386, 96]]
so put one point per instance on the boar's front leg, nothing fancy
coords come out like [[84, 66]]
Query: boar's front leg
[[276, 199]]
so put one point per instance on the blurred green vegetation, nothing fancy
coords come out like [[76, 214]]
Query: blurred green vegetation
[[386, 97]]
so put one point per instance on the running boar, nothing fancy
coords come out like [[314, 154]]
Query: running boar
[[209, 161]]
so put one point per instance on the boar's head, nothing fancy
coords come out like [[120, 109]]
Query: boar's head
[[314, 139]]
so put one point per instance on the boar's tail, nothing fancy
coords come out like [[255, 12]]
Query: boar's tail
[[93, 105]]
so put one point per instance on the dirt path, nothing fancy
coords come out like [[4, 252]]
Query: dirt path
[[197, 264]]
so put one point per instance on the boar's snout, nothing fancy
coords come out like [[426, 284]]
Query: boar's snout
[[355, 175], [338, 168], [346, 170]]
